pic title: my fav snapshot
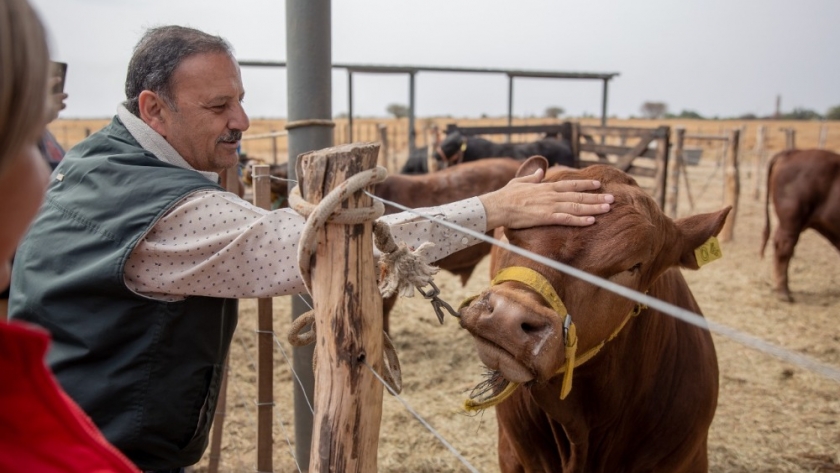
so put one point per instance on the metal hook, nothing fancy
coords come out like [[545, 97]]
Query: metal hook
[[438, 304]]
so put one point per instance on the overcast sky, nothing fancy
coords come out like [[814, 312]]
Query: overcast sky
[[716, 57]]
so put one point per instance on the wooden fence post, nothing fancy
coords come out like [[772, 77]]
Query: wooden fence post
[[823, 136], [575, 142], [672, 198], [732, 187], [384, 159], [663, 134], [348, 315], [760, 159], [273, 147], [790, 138], [265, 343]]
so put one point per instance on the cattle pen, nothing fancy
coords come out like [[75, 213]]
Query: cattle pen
[[748, 377]]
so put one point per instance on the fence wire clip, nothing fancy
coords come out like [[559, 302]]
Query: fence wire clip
[[437, 303]]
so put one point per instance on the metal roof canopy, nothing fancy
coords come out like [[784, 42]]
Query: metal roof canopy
[[413, 70]]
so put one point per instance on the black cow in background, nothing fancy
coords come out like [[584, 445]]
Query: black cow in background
[[457, 148], [417, 163]]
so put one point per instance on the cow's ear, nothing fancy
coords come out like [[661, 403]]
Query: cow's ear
[[696, 230], [531, 165]]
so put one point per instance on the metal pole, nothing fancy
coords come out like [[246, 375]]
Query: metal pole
[[604, 104], [309, 64], [412, 133], [510, 105], [604, 108], [349, 106]]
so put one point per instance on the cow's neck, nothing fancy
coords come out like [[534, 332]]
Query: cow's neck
[[613, 388]]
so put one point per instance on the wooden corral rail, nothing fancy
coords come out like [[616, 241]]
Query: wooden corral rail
[[626, 157]]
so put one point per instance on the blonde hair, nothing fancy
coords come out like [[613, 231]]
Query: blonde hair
[[24, 70]]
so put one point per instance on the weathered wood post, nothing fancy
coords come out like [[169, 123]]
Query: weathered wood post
[[348, 315], [265, 344], [760, 158], [432, 164], [823, 136], [672, 198], [273, 146], [663, 134], [732, 187], [384, 155], [790, 138], [575, 142]]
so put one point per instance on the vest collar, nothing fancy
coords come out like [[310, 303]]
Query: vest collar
[[152, 142]]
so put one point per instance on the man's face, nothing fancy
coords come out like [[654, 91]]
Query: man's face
[[208, 119]]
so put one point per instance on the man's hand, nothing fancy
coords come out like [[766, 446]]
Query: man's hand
[[527, 202]]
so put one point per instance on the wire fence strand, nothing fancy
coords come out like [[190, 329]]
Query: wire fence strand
[[684, 315]]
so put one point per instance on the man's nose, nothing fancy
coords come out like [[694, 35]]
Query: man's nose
[[239, 119]]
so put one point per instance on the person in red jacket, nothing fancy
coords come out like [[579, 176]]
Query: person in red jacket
[[41, 429]]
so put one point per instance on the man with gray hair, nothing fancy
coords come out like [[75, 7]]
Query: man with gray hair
[[154, 252]]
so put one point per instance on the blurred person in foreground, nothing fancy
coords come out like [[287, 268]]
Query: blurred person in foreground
[[41, 429], [50, 150], [154, 252], [48, 145]]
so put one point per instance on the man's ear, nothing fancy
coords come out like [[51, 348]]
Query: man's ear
[[153, 111]]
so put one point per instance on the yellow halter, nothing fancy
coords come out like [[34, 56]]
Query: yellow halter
[[541, 286]]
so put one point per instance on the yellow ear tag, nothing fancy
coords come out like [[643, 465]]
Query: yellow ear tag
[[708, 252]]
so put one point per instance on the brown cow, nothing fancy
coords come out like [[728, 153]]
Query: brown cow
[[645, 401], [805, 188], [443, 187]]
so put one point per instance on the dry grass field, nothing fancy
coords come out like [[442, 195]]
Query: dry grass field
[[772, 416]]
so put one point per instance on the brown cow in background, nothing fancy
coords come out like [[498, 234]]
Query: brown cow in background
[[805, 188], [644, 402]]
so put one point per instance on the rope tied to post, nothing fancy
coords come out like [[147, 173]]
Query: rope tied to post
[[401, 269]]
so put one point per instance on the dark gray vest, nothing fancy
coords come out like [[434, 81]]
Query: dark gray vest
[[147, 372]]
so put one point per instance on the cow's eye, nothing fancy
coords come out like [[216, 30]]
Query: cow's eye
[[635, 269]]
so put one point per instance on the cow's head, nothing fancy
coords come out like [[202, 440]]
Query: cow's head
[[451, 150], [517, 329]]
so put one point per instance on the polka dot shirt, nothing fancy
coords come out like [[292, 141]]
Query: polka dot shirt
[[215, 244]]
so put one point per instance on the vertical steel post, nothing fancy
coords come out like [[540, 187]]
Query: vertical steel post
[[604, 109], [510, 105], [349, 106], [412, 133], [604, 103], [309, 65]]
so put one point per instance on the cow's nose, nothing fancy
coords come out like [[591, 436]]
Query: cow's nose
[[518, 319]]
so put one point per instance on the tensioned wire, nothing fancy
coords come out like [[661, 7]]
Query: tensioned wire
[[684, 315], [253, 365]]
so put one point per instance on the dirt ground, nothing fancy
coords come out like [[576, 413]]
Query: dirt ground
[[772, 416]]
